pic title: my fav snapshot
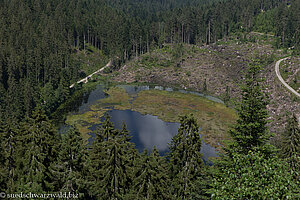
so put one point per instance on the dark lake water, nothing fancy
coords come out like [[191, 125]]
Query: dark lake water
[[147, 131]]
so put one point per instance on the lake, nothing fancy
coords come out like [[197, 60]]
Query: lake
[[147, 131]]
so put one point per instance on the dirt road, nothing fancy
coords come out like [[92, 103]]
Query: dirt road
[[85, 80], [281, 79]]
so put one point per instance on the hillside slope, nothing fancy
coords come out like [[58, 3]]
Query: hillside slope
[[215, 69]]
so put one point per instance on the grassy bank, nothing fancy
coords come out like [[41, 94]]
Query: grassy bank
[[213, 118], [117, 99]]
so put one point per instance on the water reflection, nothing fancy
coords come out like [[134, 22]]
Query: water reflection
[[95, 95], [130, 89], [133, 89], [203, 95], [155, 132], [148, 131]]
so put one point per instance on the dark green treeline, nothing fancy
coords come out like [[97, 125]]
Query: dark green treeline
[[37, 159], [37, 41], [39, 37]]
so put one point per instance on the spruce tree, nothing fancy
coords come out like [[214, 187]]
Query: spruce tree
[[115, 171], [254, 176], [185, 157], [39, 150], [203, 183], [249, 169], [96, 155], [290, 147], [9, 132], [110, 165], [151, 177], [251, 132], [3, 169], [291, 138], [70, 168], [124, 132], [107, 129], [133, 158]]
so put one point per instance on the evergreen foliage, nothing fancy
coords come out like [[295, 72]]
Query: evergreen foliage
[[249, 169], [39, 41], [151, 177], [70, 168], [107, 129], [253, 176], [185, 157], [203, 183], [37, 53], [3, 169], [9, 145], [38, 151], [291, 138], [290, 146], [115, 171], [110, 164], [251, 132]]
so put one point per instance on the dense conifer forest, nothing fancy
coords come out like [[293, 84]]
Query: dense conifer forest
[[38, 41]]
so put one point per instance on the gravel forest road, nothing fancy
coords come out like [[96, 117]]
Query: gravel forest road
[[281, 79]]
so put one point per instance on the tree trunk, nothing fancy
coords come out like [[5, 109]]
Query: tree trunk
[[182, 35], [209, 32], [83, 41], [148, 43]]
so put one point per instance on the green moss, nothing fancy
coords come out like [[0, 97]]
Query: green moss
[[118, 98], [214, 118], [60, 114], [89, 117], [83, 121]]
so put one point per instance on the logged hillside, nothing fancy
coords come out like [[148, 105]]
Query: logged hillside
[[216, 69], [290, 71], [202, 45], [39, 39]]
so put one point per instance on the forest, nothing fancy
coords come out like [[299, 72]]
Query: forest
[[39, 41]]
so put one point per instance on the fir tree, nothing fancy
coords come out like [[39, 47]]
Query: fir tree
[[70, 167], [115, 171], [132, 154], [9, 136], [291, 138], [290, 147], [96, 155], [151, 180], [38, 152], [249, 170], [185, 157], [124, 132], [3, 170], [110, 164], [254, 176], [251, 132], [107, 129]]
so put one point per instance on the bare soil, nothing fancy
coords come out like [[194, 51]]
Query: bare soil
[[212, 69]]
